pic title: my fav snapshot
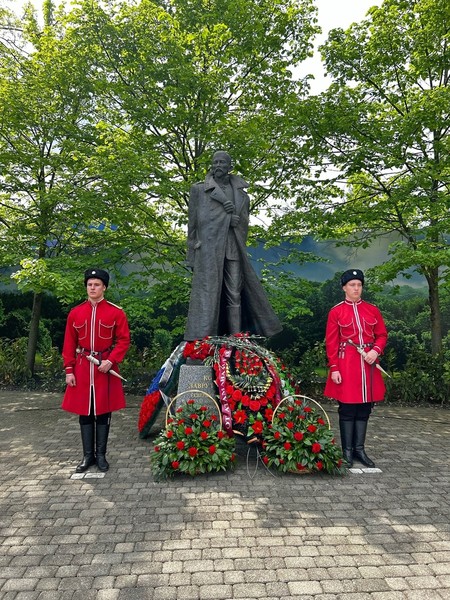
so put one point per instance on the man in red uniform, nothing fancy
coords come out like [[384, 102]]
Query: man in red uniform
[[99, 329], [353, 379]]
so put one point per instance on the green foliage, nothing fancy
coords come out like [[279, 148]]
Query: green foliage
[[192, 443], [425, 379], [13, 367]]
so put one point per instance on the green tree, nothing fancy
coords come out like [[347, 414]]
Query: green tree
[[379, 142]]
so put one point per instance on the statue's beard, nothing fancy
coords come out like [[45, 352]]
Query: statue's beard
[[220, 171]]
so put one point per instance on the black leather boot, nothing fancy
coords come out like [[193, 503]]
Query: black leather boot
[[359, 441], [347, 430], [87, 439], [101, 441]]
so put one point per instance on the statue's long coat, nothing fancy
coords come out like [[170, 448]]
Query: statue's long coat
[[208, 228]]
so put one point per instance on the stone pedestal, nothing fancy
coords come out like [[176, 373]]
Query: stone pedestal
[[195, 379]]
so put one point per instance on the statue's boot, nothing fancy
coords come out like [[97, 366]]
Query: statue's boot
[[87, 439], [359, 440], [346, 429], [234, 319]]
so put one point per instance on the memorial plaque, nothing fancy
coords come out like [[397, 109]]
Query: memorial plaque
[[198, 381]]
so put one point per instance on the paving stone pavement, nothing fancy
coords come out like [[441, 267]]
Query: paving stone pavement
[[242, 535]]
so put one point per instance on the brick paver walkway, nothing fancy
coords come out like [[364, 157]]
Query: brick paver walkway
[[364, 536]]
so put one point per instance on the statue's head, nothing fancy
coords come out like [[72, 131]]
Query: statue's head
[[221, 163]]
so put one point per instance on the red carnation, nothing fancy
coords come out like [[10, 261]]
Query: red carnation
[[169, 434], [175, 464], [179, 409], [268, 414], [311, 428], [180, 445], [190, 402], [257, 427], [316, 447], [290, 425], [300, 467], [298, 436], [319, 465], [281, 415], [265, 460], [321, 421], [287, 446], [277, 435], [307, 409], [188, 430], [192, 451], [220, 435], [212, 449], [204, 435], [157, 448], [194, 416], [240, 416], [206, 423]]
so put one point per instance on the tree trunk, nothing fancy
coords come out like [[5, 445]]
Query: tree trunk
[[34, 331], [432, 275]]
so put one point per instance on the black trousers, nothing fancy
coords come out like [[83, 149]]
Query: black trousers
[[354, 412], [103, 419]]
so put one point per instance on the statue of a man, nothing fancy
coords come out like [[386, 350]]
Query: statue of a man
[[226, 296]]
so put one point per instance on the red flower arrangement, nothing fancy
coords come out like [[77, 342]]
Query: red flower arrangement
[[299, 440], [192, 443]]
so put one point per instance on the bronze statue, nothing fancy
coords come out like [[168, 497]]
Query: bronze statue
[[226, 296]]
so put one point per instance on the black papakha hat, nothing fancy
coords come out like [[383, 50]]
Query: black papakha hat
[[352, 274], [96, 274]]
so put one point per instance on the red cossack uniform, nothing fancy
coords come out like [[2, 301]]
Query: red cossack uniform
[[100, 328], [362, 323]]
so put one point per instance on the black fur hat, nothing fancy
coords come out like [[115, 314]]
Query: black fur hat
[[96, 274], [352, 274]]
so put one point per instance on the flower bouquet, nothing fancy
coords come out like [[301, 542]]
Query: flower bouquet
[[299, 439], [192, 442]]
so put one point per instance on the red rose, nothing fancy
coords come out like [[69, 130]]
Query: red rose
[[188, 430], [257, 427], [229, 389], [298, 436], [264, 401], [175, 465], [180, 445], [287, 446], [212, 449], [169, 434], [277, 435], [192, 451], [237, 395], [311, 428], [254, 405], [268, 414], [204, 435], [316, 448], [245, 400]]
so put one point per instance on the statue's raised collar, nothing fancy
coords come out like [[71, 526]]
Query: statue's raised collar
[[235, 181]]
